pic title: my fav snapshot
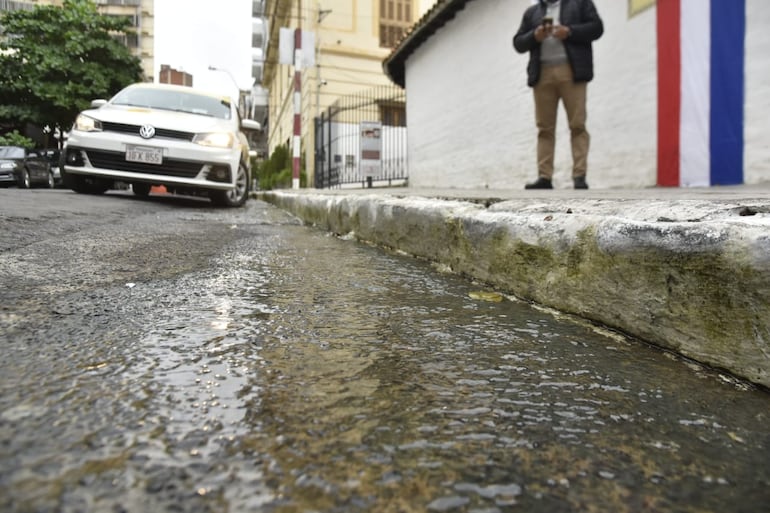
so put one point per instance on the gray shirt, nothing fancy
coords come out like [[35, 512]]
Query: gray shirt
[[552, 51]]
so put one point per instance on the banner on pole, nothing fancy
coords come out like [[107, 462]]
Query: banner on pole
[[308, 49], [286, 47]]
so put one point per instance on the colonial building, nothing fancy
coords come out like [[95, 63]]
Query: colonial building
[[169, 75], [344, 43], [673, 102]]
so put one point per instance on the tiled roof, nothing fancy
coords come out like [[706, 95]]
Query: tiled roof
[[429, 24]]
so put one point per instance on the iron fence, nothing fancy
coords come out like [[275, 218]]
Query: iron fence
[[15, 5], [344, 135]]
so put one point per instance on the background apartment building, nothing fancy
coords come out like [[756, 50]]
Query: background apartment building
[[140, 12], [350, 39], [169, 75]]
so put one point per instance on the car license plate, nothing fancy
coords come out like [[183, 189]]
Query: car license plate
[[144, 155]]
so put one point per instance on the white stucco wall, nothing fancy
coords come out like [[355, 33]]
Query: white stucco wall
[[756, 159], [471, 116]]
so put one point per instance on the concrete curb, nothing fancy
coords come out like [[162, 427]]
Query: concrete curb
[[692, 276]]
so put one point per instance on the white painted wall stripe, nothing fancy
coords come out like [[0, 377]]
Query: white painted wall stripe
[[695, 163]]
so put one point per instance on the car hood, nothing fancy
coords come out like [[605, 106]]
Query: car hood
[[5, 161], [158, 118]]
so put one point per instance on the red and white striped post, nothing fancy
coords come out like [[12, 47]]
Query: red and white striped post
[[297, 142]]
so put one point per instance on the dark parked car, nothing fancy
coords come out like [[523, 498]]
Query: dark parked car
[[24, 167], [54, 157]]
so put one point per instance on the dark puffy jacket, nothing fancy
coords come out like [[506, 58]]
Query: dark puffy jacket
[[585, 27]]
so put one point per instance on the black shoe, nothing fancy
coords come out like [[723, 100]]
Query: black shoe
[[540, 183], [580, 182]]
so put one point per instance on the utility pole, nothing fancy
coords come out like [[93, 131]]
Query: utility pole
[[296, 150]]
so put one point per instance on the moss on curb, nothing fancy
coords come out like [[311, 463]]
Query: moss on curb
[[694, 291]]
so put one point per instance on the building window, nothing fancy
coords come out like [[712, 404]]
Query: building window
[[393, 114], [395, 20]]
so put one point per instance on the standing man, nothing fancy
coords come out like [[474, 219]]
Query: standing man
[[558, 36]]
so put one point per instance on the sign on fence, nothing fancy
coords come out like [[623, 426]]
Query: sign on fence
[[370, 162]]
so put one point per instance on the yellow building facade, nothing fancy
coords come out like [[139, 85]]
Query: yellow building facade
[[351, 38]]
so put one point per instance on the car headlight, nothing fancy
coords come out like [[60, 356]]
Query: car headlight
[[87, 124], [216, 139], [7, 165]]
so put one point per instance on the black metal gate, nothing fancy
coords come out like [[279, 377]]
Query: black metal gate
[[338, 137]]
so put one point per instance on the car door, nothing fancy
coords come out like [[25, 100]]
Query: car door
[[37, 166], [31, 165]]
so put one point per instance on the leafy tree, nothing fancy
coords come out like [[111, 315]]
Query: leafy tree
[[55, 60], [16, 139]]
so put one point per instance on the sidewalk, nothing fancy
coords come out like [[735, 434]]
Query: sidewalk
[[685, 269]]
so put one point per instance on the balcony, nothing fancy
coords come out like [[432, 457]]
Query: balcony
[[257, 72], [259, 33], [13, 5], [130, 40]]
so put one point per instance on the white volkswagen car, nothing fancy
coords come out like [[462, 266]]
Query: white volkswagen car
[[187, 140]]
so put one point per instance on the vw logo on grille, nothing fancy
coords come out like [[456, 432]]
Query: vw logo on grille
[[147, 131]]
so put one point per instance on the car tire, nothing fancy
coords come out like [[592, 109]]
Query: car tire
[[68, 180], [87, 185], [235, 197], [141, 189], [24, 180]]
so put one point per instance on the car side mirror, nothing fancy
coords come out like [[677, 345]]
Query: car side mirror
[[250, 124], [95, 104]]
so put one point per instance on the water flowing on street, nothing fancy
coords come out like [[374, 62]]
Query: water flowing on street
[[296, 371]]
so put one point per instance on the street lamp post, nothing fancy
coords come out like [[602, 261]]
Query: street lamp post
[[232, 79]]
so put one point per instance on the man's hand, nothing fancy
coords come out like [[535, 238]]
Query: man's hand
[[560, 32], [541, 33]]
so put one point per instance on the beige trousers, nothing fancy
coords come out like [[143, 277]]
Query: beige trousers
[[556, 83]]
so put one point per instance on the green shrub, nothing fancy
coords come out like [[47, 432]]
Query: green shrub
[[276, 172]]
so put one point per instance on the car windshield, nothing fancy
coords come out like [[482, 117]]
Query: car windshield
[[177, 101], [11, 152]]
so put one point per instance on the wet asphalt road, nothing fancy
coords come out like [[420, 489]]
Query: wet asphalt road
[[163, 355]]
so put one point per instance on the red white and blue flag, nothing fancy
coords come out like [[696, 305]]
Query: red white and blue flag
[[701, 77]]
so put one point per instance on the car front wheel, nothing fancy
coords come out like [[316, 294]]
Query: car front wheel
[[237, 196], [24, 180], [141, 189], [88, 185]]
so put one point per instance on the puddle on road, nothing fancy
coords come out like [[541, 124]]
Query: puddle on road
[[314, 374], [382, 385]]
